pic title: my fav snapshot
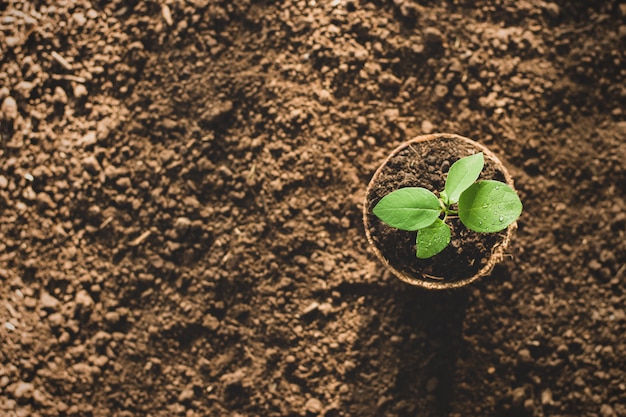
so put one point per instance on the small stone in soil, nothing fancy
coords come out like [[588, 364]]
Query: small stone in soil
[[83, 299], [524, 356], [91, 165], [186, 395], [80, 91], [529, 405], [59, 97], [39, 397], [310, 308], [24, 390], [313, 406], [441, 90], [433, 36], [48, 301], [396, 340], [432, 384], [9, 108], [607, 411], [89, 139], [210, 322], [546, 397], [518, 396]]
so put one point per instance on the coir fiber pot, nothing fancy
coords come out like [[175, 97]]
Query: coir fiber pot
[[424, 162]]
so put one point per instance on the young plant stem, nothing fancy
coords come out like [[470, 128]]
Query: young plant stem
[[446, 210]]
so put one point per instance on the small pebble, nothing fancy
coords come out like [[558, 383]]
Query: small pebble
[[396, 340], [182, 224], [45, 200], [48, 301], [529, 405], [361, 54], [12, 41], [524, 356], [325, 308], [186, 395], [459, 91], [433, 36], [552, 9], [594, 265], [24, 390], [310, 308], [518, 396], [60, 96], [39, 397], [432, 384], [607, 411], [89, 139], [313, 406], [441, 90], [324, 96], [91, 165], [83, 299], [80, 91], [79, 19], [546, 397], [9, 109], [24, 88], [210, 322]]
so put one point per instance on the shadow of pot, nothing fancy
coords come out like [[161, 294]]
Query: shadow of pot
[[422, 162]]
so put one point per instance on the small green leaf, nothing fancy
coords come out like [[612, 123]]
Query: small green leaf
[[409, 208], [462, 174], [489, 206], [432, 239]]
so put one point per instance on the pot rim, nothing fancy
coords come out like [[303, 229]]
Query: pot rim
[[497, 253]]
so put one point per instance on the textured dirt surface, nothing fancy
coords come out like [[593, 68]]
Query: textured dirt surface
[[180, 196]]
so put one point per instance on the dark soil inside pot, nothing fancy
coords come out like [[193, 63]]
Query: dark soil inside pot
[[424, 164]]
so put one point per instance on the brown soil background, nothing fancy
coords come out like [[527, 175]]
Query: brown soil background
[[181, 187]]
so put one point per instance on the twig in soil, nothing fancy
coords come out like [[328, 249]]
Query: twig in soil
[[508, 255], [620, 272], [106, 222], [69, 77], [140, 238], [11, 310], [167, 14], [432, 277], [249, 354], [251, 172], [62, 61], [413, 149]]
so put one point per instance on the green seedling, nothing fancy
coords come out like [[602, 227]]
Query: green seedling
[[485, 206]]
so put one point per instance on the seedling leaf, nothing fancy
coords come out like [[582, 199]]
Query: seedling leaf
[[461, 175], [409, 208], [432, 239], [489, 206]]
